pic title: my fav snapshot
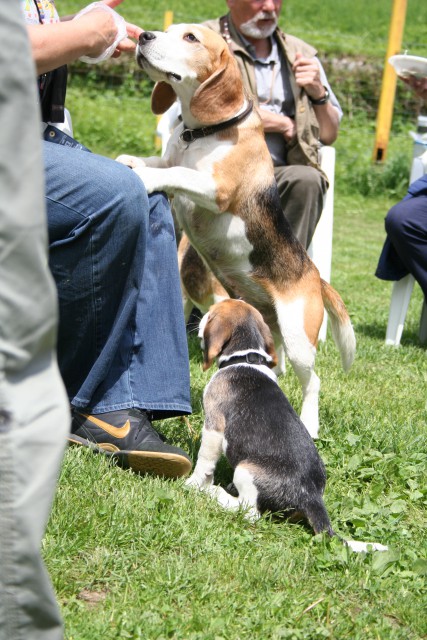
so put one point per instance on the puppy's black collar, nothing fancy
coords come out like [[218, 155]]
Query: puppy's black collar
[[189, 135], [253, 357]]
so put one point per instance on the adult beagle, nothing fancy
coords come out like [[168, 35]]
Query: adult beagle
[[276, 465], [199, 286], [218, 169]]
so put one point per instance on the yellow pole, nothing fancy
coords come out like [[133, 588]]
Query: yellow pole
[[388, 87], [167, 21]]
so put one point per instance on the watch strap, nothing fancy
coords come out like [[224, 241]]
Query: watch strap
[[323, 100]]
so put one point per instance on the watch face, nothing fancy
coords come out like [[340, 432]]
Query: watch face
[[323, 100]]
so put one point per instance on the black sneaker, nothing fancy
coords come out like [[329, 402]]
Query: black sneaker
[[128, 437]]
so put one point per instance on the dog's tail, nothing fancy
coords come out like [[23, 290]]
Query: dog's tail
[[342, 329], [317, 515]]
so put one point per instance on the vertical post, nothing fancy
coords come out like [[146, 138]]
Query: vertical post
[[167, 21], [388, 87]]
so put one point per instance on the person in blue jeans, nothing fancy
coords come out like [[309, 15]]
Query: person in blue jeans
[[405, 248], [122, 346]]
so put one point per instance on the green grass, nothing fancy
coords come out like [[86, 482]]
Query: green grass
[[135, 557], [144, 558]]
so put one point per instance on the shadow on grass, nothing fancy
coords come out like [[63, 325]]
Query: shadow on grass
[[377, 331]]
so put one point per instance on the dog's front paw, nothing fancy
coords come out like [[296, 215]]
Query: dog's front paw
[[151, 177], [130, 161], [197, 482]]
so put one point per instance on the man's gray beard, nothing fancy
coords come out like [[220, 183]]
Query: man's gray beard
[[252, 30]]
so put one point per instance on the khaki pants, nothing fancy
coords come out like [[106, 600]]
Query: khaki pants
[[301, 191], [34, 414]]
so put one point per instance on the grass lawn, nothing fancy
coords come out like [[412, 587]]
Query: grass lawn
[[135, 557], [145, 558]]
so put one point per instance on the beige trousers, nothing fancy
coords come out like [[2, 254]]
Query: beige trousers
[[301, 190], [34, 414]]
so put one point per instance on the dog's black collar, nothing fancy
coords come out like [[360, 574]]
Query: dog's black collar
[[253, 357], [189, 135]]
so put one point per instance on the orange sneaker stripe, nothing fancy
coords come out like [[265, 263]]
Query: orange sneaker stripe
[[116, 432]]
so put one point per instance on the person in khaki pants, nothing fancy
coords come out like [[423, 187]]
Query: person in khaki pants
[[298, 108], [34, 413]]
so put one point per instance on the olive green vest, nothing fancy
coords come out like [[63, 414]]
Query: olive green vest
[[304, 147]]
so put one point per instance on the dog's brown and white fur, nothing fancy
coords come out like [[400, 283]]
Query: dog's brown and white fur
[[248, 418], [226, 200]]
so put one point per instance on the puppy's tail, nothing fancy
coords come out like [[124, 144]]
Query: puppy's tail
[[318, 517], [342, 329]]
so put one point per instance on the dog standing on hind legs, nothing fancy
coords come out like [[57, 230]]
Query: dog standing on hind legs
[[219, 171], [248, 418]]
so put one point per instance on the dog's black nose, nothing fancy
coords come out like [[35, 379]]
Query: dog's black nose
[[146, 36]]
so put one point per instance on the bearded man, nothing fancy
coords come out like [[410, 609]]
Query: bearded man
[[298, 108]]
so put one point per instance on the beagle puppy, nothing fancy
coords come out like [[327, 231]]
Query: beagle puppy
[[219, 171], [248, 418]]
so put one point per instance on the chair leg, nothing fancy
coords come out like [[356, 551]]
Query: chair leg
[[400, 297], [423, 324]]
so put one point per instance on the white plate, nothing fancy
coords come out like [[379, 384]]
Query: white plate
[[406, 66]]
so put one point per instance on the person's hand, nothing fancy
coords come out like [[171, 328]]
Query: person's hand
[[106, 31], [127, 45], [288, 128], [418, 85], [307, 76], [277, 123], [99, 30]]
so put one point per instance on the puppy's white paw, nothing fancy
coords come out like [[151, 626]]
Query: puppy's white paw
[[252, 514], [192, 481], [197, 482], [224, 498], [130, 161]]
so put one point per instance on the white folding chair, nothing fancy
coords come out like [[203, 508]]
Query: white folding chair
[[402, 289], [167, 123], [320, 249]]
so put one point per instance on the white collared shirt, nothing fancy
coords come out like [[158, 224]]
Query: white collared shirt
[[275, 92]]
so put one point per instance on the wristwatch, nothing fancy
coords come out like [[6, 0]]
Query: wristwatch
[[323, 100]]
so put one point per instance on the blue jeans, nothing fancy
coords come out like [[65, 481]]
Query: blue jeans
[[122, 340], [405, 248]]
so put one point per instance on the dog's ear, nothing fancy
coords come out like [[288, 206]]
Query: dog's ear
[[221, 95], [268, 343], [216, 334], [162, 98], [270, 349]]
